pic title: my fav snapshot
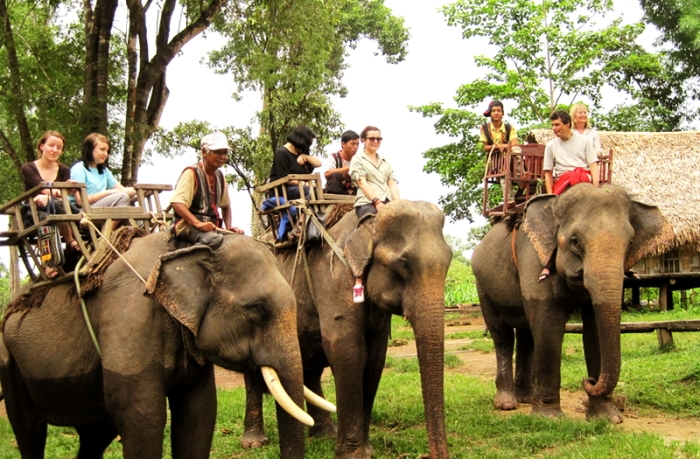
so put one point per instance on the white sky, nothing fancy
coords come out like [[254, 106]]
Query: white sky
[[438, 61]]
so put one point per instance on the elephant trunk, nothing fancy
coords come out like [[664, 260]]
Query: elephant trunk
[[289, 371], [604, 280], [425, 309]]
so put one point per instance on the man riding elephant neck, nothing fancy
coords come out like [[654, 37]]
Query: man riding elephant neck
[[200, 191], [569, 158]]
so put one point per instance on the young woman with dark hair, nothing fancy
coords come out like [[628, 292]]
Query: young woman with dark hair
[[103, 190], [294, 158]]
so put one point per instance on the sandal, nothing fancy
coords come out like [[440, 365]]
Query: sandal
[[51, 273], [544, 275], [73, 245]]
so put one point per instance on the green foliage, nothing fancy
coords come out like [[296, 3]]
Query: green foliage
[[545, 56], [679, 24], [460, 287], [51, 68]]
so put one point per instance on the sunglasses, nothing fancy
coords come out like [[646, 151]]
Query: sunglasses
[[375, 139]]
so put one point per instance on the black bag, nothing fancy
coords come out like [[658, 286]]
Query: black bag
[[49, 240], [313, 232]]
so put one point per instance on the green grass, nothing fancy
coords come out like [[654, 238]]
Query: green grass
[[654, 383], [459, 285]]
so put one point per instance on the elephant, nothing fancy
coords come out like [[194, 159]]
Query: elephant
[[404, 258], [596, 233], [199, 308]]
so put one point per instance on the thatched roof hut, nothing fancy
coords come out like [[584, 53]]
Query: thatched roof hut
[[661, 169]]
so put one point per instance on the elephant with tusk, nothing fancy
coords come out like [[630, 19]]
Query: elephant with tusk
[[596, 234], [403, 259], [159, 343]]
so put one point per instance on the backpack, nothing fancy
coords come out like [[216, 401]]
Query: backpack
[[487, 133], [338, 160]]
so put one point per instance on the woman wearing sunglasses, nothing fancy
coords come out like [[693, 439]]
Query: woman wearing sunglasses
[[374, 178]]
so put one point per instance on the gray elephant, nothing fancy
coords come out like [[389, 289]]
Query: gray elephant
[[404, 259], [230, 307], [598, 233]]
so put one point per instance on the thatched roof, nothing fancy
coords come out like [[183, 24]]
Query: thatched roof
[[661, 169]]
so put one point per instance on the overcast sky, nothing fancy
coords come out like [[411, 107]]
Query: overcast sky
[[438, 61]]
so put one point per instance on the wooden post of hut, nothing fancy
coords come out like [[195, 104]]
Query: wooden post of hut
[[665, 337]]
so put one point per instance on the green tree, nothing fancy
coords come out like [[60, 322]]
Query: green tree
[[293, 53], [545, 55], [679, 23], [65, 65]]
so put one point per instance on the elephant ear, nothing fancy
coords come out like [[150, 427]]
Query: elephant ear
[[540, 225], [180, 282], [359, 246], [651, 231]]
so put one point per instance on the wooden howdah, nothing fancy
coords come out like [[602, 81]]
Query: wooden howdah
[[520, 168], [146, 212]]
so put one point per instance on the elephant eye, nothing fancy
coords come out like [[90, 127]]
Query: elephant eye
[[256, 312], [575, 245]]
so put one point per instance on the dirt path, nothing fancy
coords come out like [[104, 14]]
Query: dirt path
[[483, 365]]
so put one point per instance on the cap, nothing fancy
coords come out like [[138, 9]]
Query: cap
[[493, 103], [215, 141]]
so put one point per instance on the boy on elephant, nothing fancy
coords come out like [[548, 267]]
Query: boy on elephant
[[200, 191]]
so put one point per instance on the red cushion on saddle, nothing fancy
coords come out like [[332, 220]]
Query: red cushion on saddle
[[571, 178]]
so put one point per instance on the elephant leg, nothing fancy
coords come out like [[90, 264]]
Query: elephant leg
[[193, 417], [138, 404], [95, 438], [377, 343], [524, 366], [323, 423], [503, 340], [254, 425], [345, 348], [547, 323], [29, 427], [598, 406]]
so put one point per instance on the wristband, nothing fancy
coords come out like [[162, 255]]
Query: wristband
[[375, 201]]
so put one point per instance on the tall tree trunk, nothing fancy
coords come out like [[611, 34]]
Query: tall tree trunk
[[7, 39], [150, 92], [98, 35]]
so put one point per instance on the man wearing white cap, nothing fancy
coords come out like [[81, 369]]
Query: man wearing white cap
[[200, 191]]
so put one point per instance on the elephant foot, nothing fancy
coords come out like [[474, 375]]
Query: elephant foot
[[323, 429], [603, 407], [254, 440], [505, 401], [525, 396], [547, 410]]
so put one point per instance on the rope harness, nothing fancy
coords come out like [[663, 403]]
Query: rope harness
[[76, 274], [301, 246]]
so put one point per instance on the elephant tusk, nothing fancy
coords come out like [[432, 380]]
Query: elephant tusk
[[317, 400], [273, 383]]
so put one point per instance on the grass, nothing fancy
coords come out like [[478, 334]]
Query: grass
[[654, 383]]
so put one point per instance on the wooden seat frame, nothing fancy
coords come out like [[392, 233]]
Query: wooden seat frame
[[147, 203], [318, 202], [524, 168]]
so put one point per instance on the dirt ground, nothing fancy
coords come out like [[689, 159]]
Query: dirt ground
[[483, 365]]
